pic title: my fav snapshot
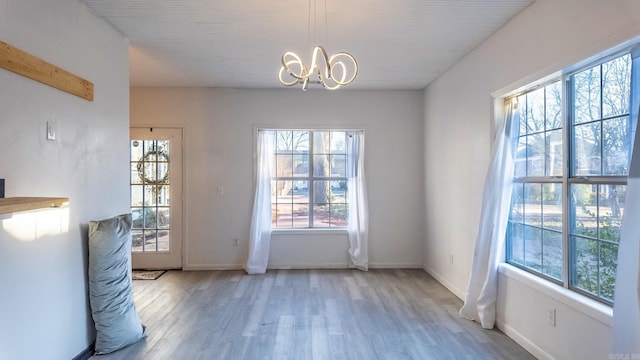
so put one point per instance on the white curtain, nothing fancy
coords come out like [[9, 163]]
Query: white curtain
[[482, 290], [357, 199], [260, 234], [626, 308]]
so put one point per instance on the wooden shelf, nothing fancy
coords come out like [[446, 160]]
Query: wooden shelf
[[15, 204]]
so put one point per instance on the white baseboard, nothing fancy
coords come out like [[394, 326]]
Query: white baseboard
[[532, 348], [395, 266], [457, 292], [190, 267], [204, 267]]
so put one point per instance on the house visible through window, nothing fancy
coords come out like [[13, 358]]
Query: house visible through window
[[570, 178], [309, 183]]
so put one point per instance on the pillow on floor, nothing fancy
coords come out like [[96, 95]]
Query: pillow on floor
[[110, 295]]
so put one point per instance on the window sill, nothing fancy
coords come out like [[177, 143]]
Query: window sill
[[583, 304], [314, 231]]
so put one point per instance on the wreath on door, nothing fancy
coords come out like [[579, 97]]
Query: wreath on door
[[156, 155]]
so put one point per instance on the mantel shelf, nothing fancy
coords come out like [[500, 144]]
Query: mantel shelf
[[15, 204]]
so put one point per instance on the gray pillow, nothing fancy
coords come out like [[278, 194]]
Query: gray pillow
[[110, 294]]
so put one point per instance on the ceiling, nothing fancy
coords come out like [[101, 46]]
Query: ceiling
[[399, 44]]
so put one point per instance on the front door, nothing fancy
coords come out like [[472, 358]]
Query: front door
[[156, 198]]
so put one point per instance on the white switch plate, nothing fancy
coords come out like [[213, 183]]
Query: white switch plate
[[551, 316], [51, 130]]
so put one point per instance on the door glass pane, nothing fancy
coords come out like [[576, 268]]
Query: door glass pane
[[150, 192]]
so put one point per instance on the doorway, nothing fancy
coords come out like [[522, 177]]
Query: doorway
[[156, 198]]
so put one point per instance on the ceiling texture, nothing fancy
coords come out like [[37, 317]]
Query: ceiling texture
[[399, 44]]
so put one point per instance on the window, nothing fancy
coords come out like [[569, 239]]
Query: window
[[309, 185], [570, 178]]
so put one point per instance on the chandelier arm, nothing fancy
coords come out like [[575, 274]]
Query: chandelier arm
[[334, 60]]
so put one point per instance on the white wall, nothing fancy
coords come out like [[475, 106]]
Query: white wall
[[44, 309], [547, 37], [219, 144]]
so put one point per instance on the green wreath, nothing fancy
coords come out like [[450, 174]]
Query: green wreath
[[145, 158]]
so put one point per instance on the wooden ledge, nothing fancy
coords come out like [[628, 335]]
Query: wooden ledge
[[16, 204]]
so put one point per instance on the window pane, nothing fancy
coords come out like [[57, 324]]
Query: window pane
[[321, 215], [322, 192], [300, 191], [284, 215], [301, 165], [321, 165], [300, 215], [554, 153], [284, 165], [553, 109], [338, 165], [284, 141], [552, 254], [552, 206], [583, 210], [338, 142], [517, 203], [616, 79], [321, 142], [585, 264], [533, 204], [339, 191], [520, 167], [284, 192], [536, 154], [610, 210], [535, 111], [533, 247], [586, 92], [608, 265], [516, 242], [338, 215], [616, 146], [587, 149], [300, 141]]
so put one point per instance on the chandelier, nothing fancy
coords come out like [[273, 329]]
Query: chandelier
[[329, 71]]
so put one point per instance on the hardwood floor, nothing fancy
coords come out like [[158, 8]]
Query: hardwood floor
[[307, 314]]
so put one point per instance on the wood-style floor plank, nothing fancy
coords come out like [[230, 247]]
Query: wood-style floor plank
[[307, 314]]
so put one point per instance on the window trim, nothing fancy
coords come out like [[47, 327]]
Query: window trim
[[341, 230], [567, 179]]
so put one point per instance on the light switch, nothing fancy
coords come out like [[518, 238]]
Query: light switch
[[51, 131], [220, 190]]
